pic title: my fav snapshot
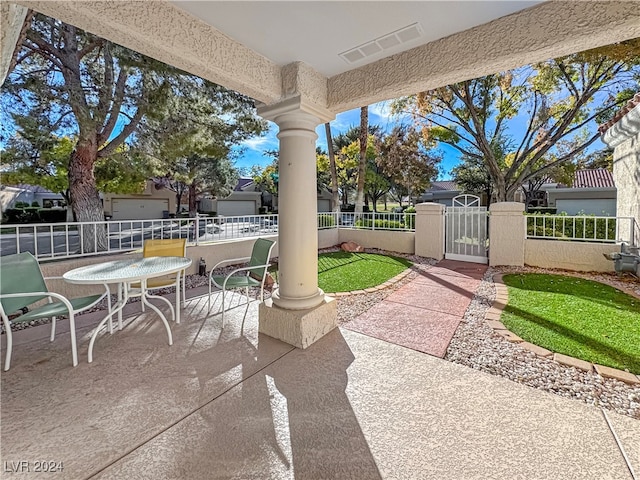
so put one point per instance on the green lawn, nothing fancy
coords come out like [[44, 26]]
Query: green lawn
[[343, 271], [580, 318]]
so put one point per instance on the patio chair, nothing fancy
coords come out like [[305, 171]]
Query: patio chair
[[173, 247], [22, 285], [253, 275]]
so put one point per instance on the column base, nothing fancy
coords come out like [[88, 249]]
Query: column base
[[299, 328]]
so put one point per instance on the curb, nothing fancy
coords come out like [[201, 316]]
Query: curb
[[392, 281], [492, 319]]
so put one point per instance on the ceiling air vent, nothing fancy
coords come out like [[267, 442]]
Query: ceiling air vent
[[380, 44]]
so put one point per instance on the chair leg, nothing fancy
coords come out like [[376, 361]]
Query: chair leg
[[7, 329], [222, 307], [53, 329], [72, 331], [184, 289]]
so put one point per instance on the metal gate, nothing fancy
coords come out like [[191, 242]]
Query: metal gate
[[466, 230]]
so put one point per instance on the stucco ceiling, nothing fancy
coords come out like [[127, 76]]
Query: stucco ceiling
[[317, 32]]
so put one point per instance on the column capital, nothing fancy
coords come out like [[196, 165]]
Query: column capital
[[297, 109]]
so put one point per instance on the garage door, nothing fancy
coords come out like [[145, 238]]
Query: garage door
[[231, 208], [138, 209]]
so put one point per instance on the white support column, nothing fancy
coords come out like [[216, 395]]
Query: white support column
[[298, 312]]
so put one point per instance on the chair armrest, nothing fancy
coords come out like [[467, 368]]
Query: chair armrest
[[62, 298], [265, 266], [231, 260]]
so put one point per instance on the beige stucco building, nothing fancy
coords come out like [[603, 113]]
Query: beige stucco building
[[304, 62]]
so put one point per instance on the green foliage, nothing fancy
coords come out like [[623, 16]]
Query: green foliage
[[576, 317], [410, 220], [562, 227], [326, 221], [559, 101], [52, 215], [379, 224]]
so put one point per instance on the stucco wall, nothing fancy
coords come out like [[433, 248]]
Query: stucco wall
[[328, 237], [626, 174], [603, 207], [578, 256], [393, 241]]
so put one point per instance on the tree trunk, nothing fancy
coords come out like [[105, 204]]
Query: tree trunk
[[178, 202], [85, 201], [335, 201], [192, 200], [362, 166]]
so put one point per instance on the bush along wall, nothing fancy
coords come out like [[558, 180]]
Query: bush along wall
[[561, 227]]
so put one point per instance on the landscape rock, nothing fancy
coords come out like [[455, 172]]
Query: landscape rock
[[351, 247]]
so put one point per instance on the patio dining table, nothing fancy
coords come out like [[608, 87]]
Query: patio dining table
[[125, 272]]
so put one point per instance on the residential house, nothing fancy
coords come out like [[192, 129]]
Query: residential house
[[441, 192], [592, 192], [154, 202], [247, 198]]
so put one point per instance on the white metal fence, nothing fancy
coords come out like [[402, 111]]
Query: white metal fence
[[368, 221], [65, 240], [583, 228]]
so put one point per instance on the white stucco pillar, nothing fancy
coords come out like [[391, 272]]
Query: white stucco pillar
[[298, 311]]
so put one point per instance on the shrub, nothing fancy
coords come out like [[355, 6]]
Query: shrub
[[379, 224], [326, 220], [21, 205], [35, 204], [410, 220], [53, 215], [564, 227]]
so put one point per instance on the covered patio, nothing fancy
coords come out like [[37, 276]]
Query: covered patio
[[304, 62], [242, 401], [233, 403]]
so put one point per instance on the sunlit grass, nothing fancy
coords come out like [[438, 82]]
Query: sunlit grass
[[576, 317]]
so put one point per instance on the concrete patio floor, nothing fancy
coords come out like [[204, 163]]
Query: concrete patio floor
[[230, 403]]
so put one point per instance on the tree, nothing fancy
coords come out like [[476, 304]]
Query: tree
[[99, 94], [559, 100], [362, 161], [191, 142], [332, 168], [37, 157], [407, 162]]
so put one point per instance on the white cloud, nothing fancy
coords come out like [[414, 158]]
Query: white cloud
[[260, 144], [382, 110]]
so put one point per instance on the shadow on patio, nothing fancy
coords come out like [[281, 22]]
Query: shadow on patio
[[235, 404]]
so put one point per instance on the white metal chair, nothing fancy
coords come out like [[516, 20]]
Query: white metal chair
[[22, 284], [253, 275]]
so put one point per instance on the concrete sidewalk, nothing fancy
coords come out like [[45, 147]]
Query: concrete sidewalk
[[230, 403]]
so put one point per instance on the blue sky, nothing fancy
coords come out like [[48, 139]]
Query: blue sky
[[379, 114]]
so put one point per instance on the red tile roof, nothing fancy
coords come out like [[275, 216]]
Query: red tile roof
[[596, 178], [631, 104]]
